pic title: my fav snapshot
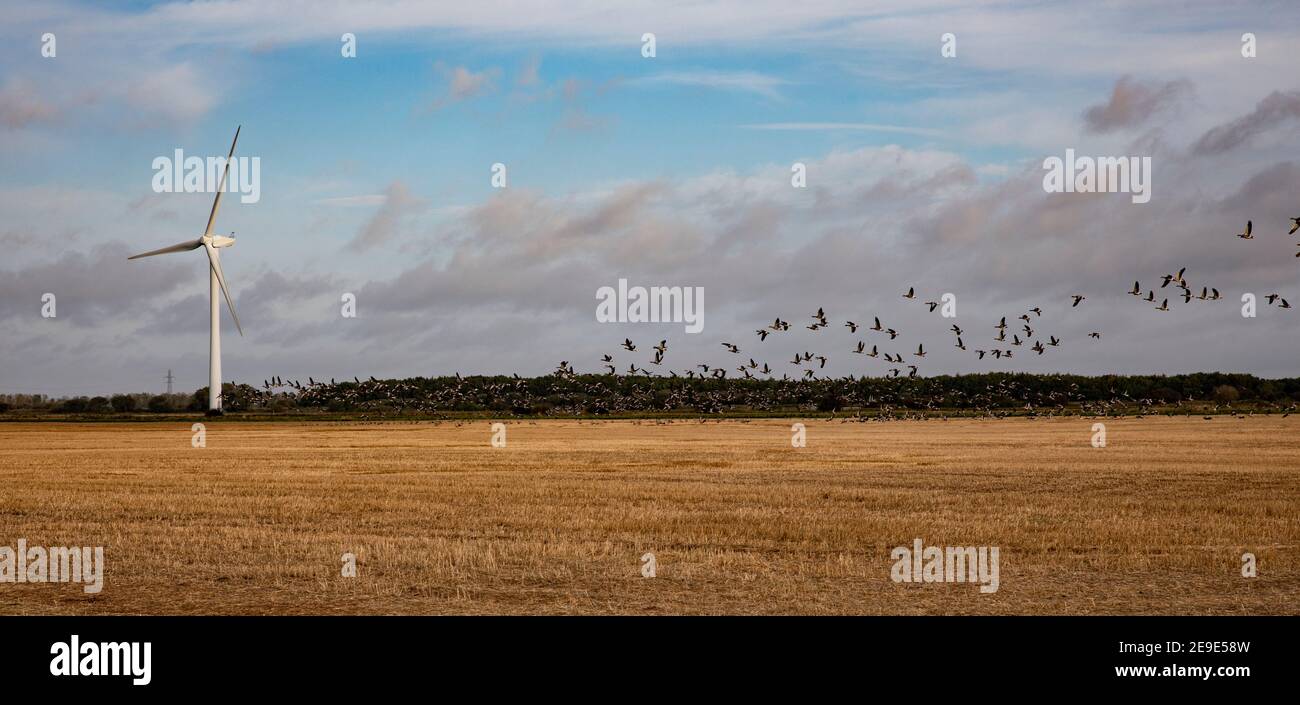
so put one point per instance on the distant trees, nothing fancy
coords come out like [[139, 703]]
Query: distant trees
[[601, 394]]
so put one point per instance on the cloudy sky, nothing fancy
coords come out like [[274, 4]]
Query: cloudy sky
[[922, 170]]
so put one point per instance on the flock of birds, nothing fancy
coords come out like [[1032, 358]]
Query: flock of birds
[[700, 386], [813, 363], [1005, 348]]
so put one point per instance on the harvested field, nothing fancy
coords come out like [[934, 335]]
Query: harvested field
[[739, 522]]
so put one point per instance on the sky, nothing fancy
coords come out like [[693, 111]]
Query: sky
[[922, 170]]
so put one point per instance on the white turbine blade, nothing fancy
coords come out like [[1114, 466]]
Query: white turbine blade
[[214, 260], [178, 247], [221, 188]]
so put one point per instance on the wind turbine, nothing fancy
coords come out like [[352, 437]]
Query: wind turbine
[[211, 243]]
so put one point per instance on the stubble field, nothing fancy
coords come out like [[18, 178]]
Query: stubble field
[[739, 522]]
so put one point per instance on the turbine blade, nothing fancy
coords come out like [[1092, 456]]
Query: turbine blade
[[214, 259], [216, 203], [178, 247]]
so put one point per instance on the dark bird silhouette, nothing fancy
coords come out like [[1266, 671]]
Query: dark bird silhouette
[[1078, 298], [1246, 235]]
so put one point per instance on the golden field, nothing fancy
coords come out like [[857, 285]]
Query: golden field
[[738, 520]]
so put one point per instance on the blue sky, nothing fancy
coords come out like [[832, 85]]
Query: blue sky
[[376, 176]]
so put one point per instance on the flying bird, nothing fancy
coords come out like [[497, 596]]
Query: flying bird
[[1246, 235]]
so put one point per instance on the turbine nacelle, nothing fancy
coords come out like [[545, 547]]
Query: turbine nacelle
[[220, 240]]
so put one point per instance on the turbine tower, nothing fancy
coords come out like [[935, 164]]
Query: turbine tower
[[216, 281]]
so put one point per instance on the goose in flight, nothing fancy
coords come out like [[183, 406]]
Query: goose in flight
[[1295, 225], [1164, 306], [981, 353], [1095, 334], [1078, 298], [874, 352], [1002, 323], [933, 305], [892, 333], [628, 346], [1053, 341], [959, 345], [1037, 311], [1151, 296], [1137, 289], [731, 348], [1038, 347], [762, 333], [920, 350], [1246, 235], [911, 293], [853, 327], [1272, 298], [1284, 304], [862, 347], [877, 327], [955, 329]]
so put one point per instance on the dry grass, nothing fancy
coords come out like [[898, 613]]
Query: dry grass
[[740, 522]]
